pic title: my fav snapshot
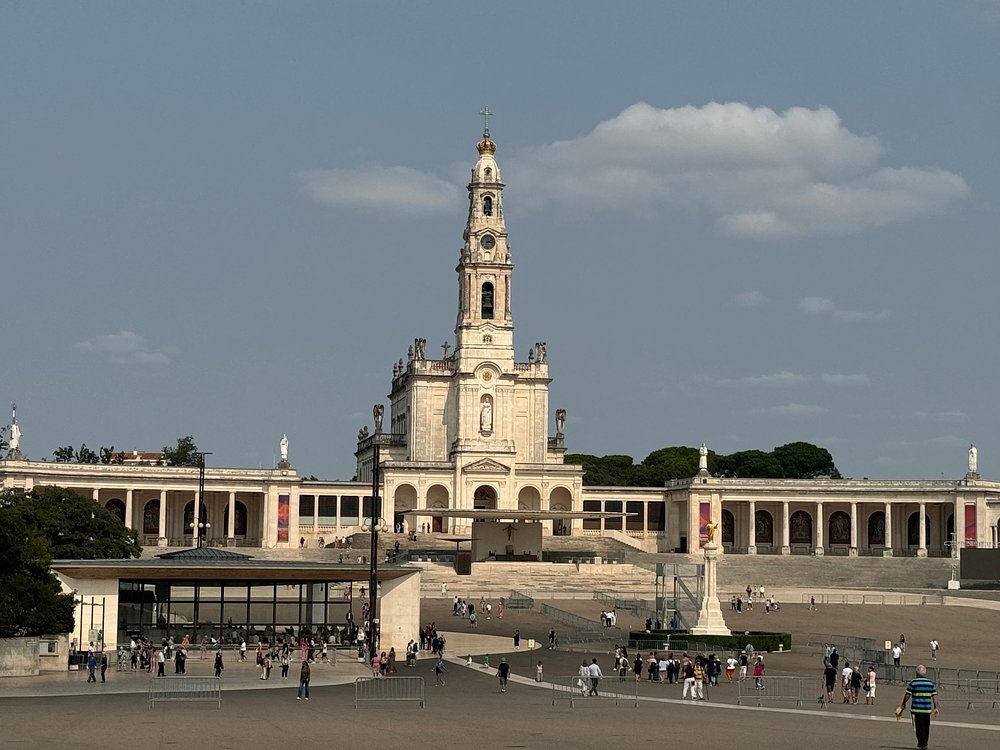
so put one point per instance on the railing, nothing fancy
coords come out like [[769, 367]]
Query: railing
[[517, 600], [579, 688], [638, 607], [882, 599], [174, 689], [767, 688], [389, 689]]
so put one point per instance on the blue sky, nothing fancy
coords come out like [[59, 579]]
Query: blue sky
[[738, 223]]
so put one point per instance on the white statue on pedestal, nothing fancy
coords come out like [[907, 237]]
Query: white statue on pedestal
[[703, 458], [973, 458], [15, 431], [283, 447]]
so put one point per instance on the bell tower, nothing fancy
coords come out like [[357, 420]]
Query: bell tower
[[485, 329]]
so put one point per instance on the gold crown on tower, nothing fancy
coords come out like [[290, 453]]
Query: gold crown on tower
[[486, 146]]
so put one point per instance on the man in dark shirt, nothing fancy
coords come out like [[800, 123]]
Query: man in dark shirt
[[830, 677], [503, 672]]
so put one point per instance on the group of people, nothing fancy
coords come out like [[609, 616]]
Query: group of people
[[737, 603], [609, 618], [385, 664], [463, 608]]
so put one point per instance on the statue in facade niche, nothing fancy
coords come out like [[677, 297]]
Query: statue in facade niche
[[486, 417], [560, 422], [378, 412]]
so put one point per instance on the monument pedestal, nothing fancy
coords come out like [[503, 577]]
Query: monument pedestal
[[710, 619]]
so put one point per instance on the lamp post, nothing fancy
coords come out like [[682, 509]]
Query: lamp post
[[201, 499], [375, 523], [198, 530]]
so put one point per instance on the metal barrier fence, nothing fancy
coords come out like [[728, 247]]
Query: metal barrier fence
[[517, 600], [389, 689], [769, 688], [634, 605], [894, 599], [578, 688], [174, 689]]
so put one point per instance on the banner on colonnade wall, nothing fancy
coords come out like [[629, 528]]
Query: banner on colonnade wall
[[283, 511], [704, 519], [970, 525]]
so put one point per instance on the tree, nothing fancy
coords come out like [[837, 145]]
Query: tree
[[64, 454], [31, 598], [749, 464], [85, 455], [75, 527], [656, 469], [185, 453], [604, 471], [805, 461], [108, 456], [3, 442]]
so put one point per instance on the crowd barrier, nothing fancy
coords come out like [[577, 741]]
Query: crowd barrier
[[389, 689], [769, 689], [609, 688], [176, 689], [884, 599]]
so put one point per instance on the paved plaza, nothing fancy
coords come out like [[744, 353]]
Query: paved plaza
[[63, 711]]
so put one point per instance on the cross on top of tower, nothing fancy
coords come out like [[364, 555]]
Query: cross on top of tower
[[486, 112]]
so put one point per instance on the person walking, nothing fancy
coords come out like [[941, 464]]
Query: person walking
[[538, 672], [104, 666], [921, 693], [91, 667], [439, 669], [934, 648], [161, 663], [503, 673], [595, 674], [218, 663], [517, 639], [870, 686], [286, 660], [304, 676], [552, 638]]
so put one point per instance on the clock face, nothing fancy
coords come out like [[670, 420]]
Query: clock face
[[488, 242]]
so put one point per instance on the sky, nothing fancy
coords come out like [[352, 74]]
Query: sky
[[743, 224]]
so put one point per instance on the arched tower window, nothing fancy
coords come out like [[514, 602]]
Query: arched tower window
[[487, 301], [487, 206]]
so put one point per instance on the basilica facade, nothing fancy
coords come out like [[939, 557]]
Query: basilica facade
[[474, 432]]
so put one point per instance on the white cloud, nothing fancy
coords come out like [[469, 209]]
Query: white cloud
[[783, 378], [124, 347], [790, 410], [845, 379], [754, 172], [750, 299], [824, 306], [399, 190]]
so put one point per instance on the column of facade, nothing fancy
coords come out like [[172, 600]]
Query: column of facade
[[163, 519], [888, 530], [786, 548], [959, 526], [231, 522], [820, 525], [128, 510], [922, 545], [96, 494], [195, 531], [752, 539], [853, 551]]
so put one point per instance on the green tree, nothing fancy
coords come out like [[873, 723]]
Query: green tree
[[603, 471], [185, 453], [805, 461], [64, 454], [75, 527], [108, 456], [85, 456], [749, 464], [31, 598], [678, 462]]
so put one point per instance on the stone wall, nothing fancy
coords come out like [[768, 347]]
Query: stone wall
[[18, 657]]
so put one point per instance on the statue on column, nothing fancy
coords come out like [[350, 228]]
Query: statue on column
[[14, 444], [283, 448], [703, 458], [973, 457], [560, 422], [378, 412]]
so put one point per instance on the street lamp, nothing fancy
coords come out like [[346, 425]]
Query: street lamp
[[374, 524], [202, 530], [201, 498]]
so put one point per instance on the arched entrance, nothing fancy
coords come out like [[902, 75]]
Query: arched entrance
[[438, 498], [189, 519], [913, 530], [764, 525], [116, 506], [529, 498], [151, 518], [403, 499], [560, 499]]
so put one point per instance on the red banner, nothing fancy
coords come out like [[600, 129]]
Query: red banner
[[704, 519], [970, 525], [283, 513]]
